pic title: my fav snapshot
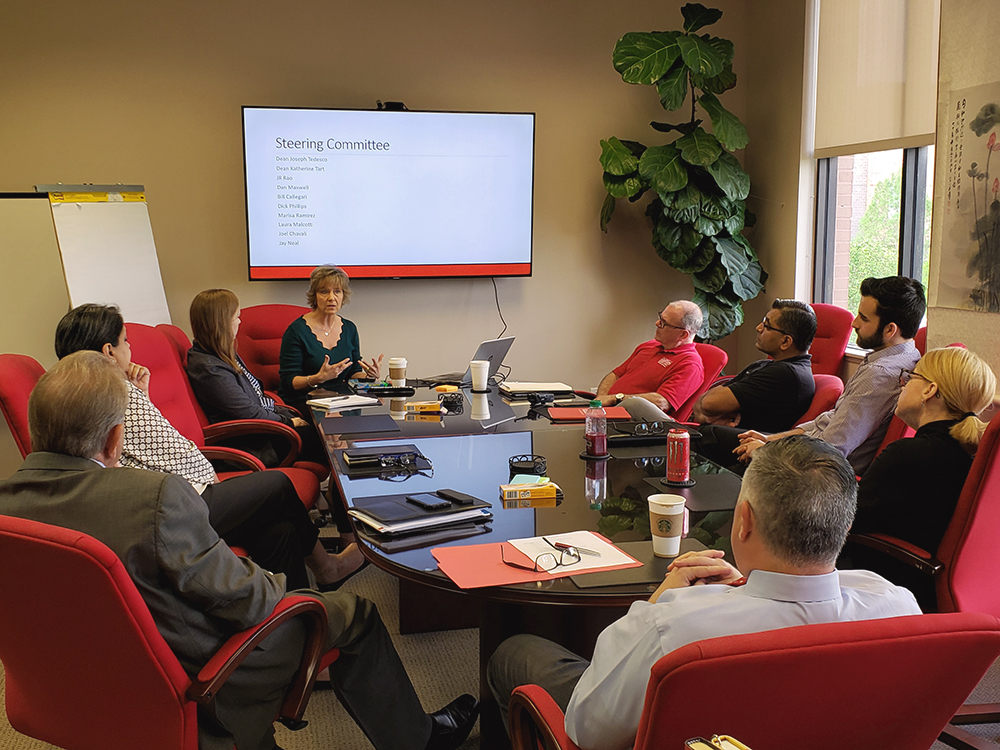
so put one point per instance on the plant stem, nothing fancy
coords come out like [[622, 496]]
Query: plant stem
[[691, 85]]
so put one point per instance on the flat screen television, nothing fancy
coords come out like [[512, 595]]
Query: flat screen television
[[387, 194]]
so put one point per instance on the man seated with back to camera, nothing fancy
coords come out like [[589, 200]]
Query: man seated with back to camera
[[660, 374], [888, 318], [197, 590], [769, 395], [793, 514]]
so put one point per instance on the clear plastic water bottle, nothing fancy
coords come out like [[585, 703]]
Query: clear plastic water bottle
[[596, 484], [596, 431]]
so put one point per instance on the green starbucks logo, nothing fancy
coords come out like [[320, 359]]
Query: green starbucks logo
[[663, 525]]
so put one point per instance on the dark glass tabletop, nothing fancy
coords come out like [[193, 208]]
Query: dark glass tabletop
[[478, 463]]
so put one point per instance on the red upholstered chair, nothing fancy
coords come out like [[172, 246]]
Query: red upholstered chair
[[259, 340], [920, 341], [828, 390], [833, 331], [170, 391], [18, 375], [178, 338], [868, 685], [85, 666], [898, 429], [713, 359]]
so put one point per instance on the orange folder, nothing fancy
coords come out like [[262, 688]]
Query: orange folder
[[579, 413], [475, 565]]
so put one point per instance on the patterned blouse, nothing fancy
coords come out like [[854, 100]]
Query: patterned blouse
[[152, 443]]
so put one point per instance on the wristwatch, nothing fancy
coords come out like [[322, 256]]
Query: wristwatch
[[619, 397]]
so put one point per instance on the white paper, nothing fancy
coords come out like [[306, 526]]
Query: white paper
[[340, 403], [610, 555]]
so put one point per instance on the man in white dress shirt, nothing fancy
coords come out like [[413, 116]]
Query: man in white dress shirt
[[795, 508]]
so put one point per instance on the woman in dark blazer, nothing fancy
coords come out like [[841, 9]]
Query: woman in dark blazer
[[225, 387]]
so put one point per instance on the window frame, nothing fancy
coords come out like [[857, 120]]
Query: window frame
[[911, 251]]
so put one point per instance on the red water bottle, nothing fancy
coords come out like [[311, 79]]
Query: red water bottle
[[678, 457], [596, 430]]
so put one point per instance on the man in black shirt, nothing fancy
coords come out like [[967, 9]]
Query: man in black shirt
[[769, 395]]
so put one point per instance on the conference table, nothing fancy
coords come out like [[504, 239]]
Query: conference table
[[472, 456]]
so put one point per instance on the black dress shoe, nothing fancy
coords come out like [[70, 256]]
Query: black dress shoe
[[453, 723]]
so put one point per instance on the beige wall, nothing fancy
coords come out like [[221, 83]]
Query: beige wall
[[967, 29], [150, 93]]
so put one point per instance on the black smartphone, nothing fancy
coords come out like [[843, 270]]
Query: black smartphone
[[428, 501], [459, 498]]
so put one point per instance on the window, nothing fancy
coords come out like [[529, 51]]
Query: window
[[873, 218]]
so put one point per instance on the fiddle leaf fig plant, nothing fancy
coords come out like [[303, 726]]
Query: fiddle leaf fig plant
[[698, 207]]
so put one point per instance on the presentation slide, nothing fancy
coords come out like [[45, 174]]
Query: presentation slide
[[383, 191]]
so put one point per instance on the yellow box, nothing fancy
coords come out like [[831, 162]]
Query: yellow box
[[530, 491], [416, 407], [424, 417], [530, 502]]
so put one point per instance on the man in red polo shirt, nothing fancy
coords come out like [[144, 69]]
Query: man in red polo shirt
[[664, 371]]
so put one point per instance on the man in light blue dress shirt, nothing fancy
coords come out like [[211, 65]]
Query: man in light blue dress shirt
[[795, 508]]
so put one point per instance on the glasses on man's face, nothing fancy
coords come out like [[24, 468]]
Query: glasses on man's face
[[661, 323], [768, 327], [905, 375], [547, 561]]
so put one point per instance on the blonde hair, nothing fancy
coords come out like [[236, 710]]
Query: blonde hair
[[211, 315], [967, 385], [323, 276]]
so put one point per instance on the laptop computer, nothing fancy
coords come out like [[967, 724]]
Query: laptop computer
[[493, 351]]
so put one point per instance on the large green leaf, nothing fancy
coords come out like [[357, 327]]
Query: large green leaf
[[713, 278], [729, 176], [673, 88], [731, 255], [700, 56], [617, 159], [699, 147], [717, 84], [698, 259], [684, 215], [720, 316], [663, 168], [675, 238], [747, 248], [726, 126], [689, 197], [607, 211], [708, 226], [750, 282], [697, 16], [723, 47], [715, 207], [622, 187], [734, 223], [683, 128], [644, 57]]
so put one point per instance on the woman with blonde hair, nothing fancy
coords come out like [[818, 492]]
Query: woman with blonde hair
[[911, 489], [321, 348]]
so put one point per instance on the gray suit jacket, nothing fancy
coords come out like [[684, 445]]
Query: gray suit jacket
[[197, 590]]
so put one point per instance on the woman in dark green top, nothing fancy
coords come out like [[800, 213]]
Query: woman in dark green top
[[322, 348]]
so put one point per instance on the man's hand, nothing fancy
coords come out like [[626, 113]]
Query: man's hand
[[139, 377], [695, 569], [746, 448], [299, 422], [746, 437]]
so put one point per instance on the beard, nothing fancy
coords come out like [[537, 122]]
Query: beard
[[875, 341]]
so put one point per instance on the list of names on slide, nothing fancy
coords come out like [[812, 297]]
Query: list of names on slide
[[293, 212]]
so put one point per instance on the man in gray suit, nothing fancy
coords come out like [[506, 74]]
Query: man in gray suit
[[197, 590]]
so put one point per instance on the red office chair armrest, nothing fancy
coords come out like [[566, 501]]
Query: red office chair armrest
[[910, 554], [220, 431], [533, 713], [222, 453], [218, 669]]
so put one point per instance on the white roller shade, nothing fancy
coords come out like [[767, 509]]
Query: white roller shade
[[876, 75]]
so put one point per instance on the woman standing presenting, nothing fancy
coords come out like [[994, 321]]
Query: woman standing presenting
[[322, 348]]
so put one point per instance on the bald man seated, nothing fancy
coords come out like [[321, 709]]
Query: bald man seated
[[663, 372]]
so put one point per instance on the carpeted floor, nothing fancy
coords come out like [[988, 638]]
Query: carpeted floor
[[441, 665]]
